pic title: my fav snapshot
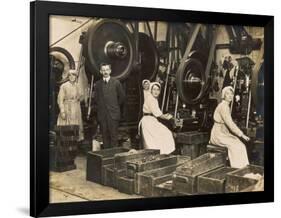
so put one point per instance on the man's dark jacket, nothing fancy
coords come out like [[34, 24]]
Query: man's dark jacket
[[108, 99]]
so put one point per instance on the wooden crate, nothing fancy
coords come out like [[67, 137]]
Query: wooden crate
[[125, 185], [96, 160], [236, 182], [121, 158], [149, 163], [67, 133], [185, 177], [62, 157], [165, 189], [111, 174], [257, 153], [147, 180], [202, 164], [193, 150], [193, 137], [63, 148], [214, 181]]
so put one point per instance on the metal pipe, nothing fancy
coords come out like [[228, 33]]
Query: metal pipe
[[176, 107], [155, 30], [168, 98], [168, 70], [234, 87], [90, 97], [136, 34], [249, 108], [149, 29], [80, 60], [165, 88]]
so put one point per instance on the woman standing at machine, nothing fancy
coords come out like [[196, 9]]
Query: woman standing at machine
[[145, 86], [225, 132], [69, 98], [155, 134]]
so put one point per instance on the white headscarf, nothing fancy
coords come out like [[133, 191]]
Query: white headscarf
[[225, 89], [145, 80], [152, 84]]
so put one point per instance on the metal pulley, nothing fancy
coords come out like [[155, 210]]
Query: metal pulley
[[60, 63], [148, 57], [191, 81], [109, 41]]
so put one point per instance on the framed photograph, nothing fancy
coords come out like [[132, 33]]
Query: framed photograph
[[141, 109]]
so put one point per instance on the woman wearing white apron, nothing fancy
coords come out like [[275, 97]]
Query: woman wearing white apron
[[155, 134], [225, 132], [69, 98]]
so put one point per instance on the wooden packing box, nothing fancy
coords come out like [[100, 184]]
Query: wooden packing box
[[185, 176], [129, 185], [67, 133], [62, 156], [125, 185], [194, 150], [214, 181], [217, 149], [236, 180], [202, 164], [96, 160], [111, 174], [60, 159], [120, 159], [192, 138], [165, 190], [149, 163], [147, 180]]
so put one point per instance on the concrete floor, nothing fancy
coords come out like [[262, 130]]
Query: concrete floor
[[72, 186]]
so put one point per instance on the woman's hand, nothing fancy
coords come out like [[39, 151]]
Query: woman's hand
[[246, 138], [168, 116], [63, 115]]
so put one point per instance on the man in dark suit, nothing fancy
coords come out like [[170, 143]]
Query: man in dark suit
[[109, 96]]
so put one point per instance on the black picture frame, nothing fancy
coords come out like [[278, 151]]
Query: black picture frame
[[39, 149]]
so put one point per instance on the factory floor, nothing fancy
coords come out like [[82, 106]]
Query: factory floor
[[72, 186]]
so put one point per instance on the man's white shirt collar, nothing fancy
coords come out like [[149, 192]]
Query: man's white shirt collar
[[106, 79]]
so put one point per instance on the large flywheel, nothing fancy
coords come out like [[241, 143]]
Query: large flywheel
[[191, 81], [109, 41]]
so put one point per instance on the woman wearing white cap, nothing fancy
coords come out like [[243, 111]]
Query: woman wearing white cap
[[69, 98], [145, 86], [155, 134], [225, 132]]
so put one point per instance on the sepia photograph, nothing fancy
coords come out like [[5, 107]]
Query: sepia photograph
[[152, 108]]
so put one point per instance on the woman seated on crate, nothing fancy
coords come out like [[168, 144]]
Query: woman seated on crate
[[154, 134], [69, 98], [225, 132]]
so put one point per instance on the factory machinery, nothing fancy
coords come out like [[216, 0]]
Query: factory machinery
[[184, 63]]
